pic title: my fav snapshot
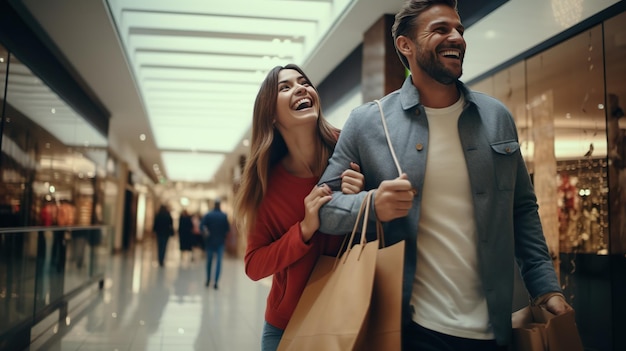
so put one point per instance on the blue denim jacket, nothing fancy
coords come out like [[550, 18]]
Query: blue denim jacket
[[505, 204]]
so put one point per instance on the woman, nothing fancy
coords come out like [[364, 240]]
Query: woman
[[278, 202], [185, 227]]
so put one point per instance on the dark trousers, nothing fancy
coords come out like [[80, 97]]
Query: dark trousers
[[418, 338], [162, 246]]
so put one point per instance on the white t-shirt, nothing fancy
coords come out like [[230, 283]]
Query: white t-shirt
[[447, 291]]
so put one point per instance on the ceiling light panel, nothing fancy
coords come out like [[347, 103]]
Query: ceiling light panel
[[206, 107], [222, 116], [216, 117], [212, 75], [191, 167], [160, 96], [207, 87], [299, 9], [201, 99], [204, 138], [205, 61], [234, 46], [194, 24]]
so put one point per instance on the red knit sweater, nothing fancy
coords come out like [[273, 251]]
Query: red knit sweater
[[275, 244]]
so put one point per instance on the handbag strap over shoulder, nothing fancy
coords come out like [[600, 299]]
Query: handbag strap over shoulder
[[379, 226], [393, 153]]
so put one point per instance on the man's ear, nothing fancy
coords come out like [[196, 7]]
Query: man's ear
[[404, 45]]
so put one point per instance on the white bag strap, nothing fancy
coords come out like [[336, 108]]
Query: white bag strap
[[379, 225], [393, 153]]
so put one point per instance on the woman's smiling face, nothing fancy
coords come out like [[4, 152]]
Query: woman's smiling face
[[297, 102]]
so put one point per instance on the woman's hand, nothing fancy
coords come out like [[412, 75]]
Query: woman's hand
[[312, 203], [352, 180]]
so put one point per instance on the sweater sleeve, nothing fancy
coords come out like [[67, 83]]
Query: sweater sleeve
[[266, 254]]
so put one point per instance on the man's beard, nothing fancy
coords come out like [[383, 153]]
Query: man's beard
[[429, 63]]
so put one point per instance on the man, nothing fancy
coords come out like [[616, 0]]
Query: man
[[163, 227], [215, 227], [465, 205]]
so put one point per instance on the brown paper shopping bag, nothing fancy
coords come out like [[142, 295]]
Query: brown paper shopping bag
[[384, 323], [331, 312], [536, 329]]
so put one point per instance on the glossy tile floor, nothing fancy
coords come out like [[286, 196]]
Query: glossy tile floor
[[146, 307]]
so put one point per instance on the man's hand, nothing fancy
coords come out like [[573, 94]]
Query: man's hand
[[393, 198], [557, 305], [352, 180]]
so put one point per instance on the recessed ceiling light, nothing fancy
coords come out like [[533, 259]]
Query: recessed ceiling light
[[184, 201], [142, 137]]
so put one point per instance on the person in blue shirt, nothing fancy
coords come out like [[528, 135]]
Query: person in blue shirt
[[215, 228]]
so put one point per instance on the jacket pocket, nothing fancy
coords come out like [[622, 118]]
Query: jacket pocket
[[505, 155]]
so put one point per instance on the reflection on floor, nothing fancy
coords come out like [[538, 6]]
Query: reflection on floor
[[146, 307]]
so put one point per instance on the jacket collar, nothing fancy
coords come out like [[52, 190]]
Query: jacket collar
[[410, 97]]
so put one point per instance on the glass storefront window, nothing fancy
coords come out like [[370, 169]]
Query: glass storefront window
[[615, 61], [50, 154], [11, 180], [566, 105]]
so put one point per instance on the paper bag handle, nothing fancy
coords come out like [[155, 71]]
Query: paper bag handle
[[362, 216]]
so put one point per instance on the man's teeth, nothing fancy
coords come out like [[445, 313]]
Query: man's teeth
[[451, 53]]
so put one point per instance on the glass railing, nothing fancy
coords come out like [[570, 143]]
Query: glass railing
[[41, 268]]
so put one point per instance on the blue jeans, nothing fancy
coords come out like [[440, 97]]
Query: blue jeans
[[271, 337], [219, 253]]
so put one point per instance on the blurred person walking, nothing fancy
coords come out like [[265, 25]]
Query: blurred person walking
[[66, 216], [215, 227], [163, 228], [185, 236]]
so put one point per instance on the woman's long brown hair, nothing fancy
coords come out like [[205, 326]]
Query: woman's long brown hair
[[268, 148]]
